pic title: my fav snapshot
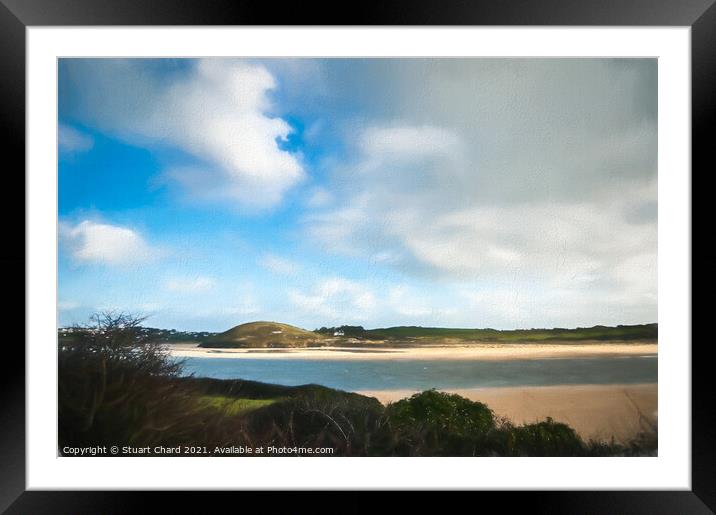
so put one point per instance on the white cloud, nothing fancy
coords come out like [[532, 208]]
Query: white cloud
[[71, 140], [197, 284], [571, 250], [278, 265], [336, 300], [408, 143], [218, 111], [562, 240], [94, 242]]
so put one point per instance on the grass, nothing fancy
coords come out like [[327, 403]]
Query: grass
[[263, 334], [232, 406]]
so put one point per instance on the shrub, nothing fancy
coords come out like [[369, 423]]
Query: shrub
[[547, 438], [437, 423]]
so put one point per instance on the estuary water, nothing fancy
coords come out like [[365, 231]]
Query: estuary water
[[353, 375]]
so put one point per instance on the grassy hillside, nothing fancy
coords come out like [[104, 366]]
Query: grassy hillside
[[263, 334], [599, 332]]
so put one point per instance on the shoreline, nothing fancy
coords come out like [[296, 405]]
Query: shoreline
[[468, 351], [596, 412]]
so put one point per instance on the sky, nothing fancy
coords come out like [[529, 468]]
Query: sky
[[503, 193]]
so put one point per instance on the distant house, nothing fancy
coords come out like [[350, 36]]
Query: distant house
[[338, 333], [275, 332]]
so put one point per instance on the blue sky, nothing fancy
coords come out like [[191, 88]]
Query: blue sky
[[504, 193]]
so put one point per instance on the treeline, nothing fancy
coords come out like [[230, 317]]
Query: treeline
[[151, 333], [355, 331], [597, 332]]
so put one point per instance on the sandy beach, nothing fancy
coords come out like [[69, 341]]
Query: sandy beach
[[473, 351], [596, 412]]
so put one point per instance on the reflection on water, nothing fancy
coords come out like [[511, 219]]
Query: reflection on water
[[422, 374]]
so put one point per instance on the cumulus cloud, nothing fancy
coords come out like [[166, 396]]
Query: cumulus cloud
[[197, 284], [102, 243], [71, 140], [216, 110], [278, 265]]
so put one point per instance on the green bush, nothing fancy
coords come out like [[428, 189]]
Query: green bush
[[547, 438], [441, 424], [442, 412]]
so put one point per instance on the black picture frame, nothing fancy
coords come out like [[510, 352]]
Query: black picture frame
[[17, 15]]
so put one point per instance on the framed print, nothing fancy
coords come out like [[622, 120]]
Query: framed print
[[436, 250]]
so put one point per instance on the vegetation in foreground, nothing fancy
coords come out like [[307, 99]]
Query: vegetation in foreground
[[117, 387]]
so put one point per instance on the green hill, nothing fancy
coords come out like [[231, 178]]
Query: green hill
[[264, 334]]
